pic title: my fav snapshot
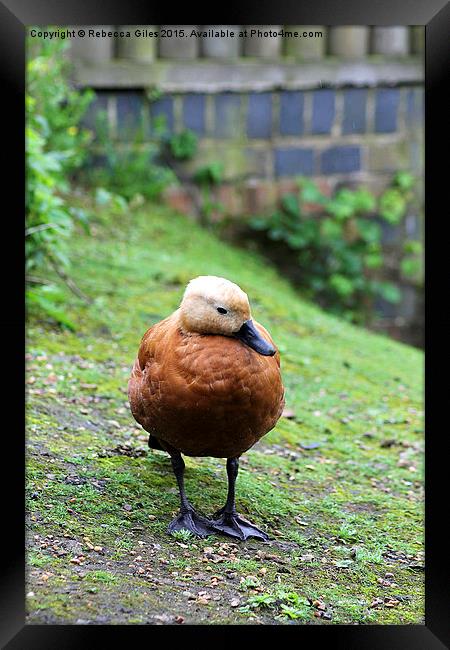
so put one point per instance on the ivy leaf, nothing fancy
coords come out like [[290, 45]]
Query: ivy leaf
[[368, 230], [410, 266], [289, 203], [364, 201], [310, 193], [342, 285], [404, 180], [392, 205], [331, 229], [373, 261], [389, 292]]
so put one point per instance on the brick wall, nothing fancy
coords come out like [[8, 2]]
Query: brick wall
[[367, 133], [346, 120]]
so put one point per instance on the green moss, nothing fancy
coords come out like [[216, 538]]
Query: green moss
[[338, 486]]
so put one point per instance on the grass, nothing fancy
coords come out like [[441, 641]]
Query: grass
[[338, 486]]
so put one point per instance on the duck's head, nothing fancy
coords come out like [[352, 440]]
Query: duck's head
[[213, 305]]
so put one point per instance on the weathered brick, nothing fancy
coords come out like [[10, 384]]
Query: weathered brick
[[409, 302], [231, 155], [259, 115], [323, 111], [178, 47], [194, 112], [386, 108], [291, 112], [227, 108], [294, 161], [164, 107], [286, 186], [389, 157], [390, 41], [258, 161], [129, 114], [180, 199], [258, 196], [416, 156], [340, 160], [414, 107], [231, 199], [354, 121]]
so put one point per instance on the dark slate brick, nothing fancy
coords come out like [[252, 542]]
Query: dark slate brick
[[386, 109], [341, 160], [227, 108], [97, 106], [384, 308], [163, 106], [294, 161], [259, 115], [291, 112], [390, 233], [194, 113], [414, 107], [355, 101], [323, 111], [129, 113]]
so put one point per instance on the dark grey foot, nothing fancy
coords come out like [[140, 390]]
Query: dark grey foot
[[196, 524], [233, 525]]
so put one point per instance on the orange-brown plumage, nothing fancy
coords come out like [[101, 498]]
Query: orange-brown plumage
[[204, 394], [207, 382]]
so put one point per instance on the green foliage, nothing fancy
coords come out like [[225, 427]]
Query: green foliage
[[337, 242], [48, 298], [183, 146], [55, 149], [183, 535], [343, 384], [133, 169], [207, 177], [284, 604]]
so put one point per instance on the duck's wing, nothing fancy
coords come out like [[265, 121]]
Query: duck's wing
[[146, 374]]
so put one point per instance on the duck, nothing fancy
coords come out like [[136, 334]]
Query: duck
[[206, 382]]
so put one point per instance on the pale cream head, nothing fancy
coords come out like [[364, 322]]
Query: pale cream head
[[213, 305]]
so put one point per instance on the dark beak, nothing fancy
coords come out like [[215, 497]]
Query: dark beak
[[249, 335]]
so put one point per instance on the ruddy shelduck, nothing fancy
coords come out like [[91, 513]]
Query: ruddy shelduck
[[207, 382]]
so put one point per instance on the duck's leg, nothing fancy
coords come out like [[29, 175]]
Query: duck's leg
[[187, 519], [227, 520]]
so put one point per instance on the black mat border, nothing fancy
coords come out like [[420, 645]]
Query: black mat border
[[435, 14]]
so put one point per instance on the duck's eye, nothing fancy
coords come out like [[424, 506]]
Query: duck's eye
[[221, 310]]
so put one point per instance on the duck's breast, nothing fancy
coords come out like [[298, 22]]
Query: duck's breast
[[205, 395]]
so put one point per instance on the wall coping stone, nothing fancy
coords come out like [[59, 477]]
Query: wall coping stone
[[241, 75]]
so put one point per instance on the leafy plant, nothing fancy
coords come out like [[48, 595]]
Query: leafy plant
[[286, 604], [207, 177], [183, 535], [55, 148], [135, 168], [183, 146], [337, 242]]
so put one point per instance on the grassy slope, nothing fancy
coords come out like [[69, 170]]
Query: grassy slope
[[339, 488]]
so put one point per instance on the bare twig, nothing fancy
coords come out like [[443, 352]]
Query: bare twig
[[69, 282], [42, 226], [35, 279]]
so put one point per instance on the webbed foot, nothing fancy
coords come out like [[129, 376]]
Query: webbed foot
[[233, 525], [195, 523]]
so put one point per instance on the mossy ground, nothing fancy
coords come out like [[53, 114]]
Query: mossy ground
[[338, 485]]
